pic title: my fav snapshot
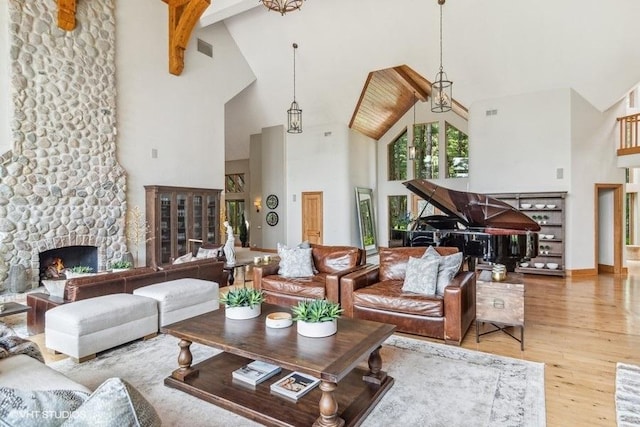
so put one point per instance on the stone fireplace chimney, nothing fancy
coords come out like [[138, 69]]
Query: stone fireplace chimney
[[61, 184]]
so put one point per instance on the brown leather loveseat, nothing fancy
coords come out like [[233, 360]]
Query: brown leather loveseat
[[331, 263], [375, 293]]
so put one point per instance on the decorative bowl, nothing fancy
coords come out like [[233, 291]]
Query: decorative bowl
[[279, 319], [524, 264], [551, 206], [552, 265], [540, 206], [539, 265], [525, 205]]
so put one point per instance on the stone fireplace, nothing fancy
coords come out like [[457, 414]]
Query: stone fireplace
[[61, 185]]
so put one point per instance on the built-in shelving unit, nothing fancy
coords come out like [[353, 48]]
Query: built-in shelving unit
[[180, 218], [548, 210]]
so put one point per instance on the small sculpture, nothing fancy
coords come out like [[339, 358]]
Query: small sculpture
[[229, 251]]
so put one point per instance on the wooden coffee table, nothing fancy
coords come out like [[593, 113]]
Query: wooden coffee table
[[348, 390]]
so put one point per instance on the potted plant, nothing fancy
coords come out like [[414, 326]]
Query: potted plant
[[121, 265], [242, 303], [316, 318], [78, 271]]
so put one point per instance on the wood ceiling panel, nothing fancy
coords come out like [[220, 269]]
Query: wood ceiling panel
[[387, 95]]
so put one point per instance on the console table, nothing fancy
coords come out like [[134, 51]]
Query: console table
[[500, 303]]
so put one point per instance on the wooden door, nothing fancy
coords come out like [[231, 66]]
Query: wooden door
[[312, 217]]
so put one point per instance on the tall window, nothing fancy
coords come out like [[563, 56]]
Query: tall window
[[398, 217], [235, 213], [397, 158], [234, 183], [457, 152], [426, 143]]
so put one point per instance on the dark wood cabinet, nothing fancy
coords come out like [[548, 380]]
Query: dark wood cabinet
[[180, 219]]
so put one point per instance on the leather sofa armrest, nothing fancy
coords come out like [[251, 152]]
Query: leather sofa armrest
[[333, 280], [363, 277], [260, 271], [459, 306]]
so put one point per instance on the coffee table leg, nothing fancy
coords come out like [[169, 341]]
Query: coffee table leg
[[185, 358], [375, 375], [328, 407]]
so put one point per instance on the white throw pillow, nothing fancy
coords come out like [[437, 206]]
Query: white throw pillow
[[448, 267], [184, 258], [295, 262], [207, 253], [38, 408], [421, 276]]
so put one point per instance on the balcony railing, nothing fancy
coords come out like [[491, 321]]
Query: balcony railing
[[629, 135]]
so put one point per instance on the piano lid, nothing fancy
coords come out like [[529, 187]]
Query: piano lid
[[472, 209]]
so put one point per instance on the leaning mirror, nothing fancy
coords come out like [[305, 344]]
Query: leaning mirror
[[366, 220]]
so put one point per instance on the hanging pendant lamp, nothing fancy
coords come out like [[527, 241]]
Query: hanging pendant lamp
[[282, 6], [441, 89], [294, 113]]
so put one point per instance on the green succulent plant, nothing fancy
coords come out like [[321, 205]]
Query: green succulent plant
[[317, 310], [81, 269], [120, 264], [242, 297]]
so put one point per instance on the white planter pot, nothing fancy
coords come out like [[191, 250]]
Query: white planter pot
[[317, 329], [55, 287], [72, 275], [119, 270], [240, 313]]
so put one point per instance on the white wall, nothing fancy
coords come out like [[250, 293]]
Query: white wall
[[274, 160], [256, 219], [363, 166], [182, 117], [396, 188]]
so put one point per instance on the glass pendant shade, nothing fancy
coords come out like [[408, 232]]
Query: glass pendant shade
[[282, 6]]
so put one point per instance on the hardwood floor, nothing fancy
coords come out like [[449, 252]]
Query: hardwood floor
[[579, 328]]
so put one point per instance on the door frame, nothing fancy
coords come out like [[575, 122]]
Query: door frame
[[618, 201]]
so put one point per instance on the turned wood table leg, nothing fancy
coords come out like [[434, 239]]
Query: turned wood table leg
[[375, 375], [185, 358], [328, 407]]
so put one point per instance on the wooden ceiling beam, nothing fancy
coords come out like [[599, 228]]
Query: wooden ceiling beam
[[411, 84], [183, 16], [67, 14]]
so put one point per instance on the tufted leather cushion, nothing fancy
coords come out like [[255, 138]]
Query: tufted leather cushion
[[393, 261], [387, 295]]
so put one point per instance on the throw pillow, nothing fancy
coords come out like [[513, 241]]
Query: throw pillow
[[448, 267], [11, 345], [114, 403], [295, 262], [421, 276], [37, 408], [207, 253], [184, 258]]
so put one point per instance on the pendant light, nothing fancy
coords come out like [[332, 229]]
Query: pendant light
[[294, 113], [441, 89]]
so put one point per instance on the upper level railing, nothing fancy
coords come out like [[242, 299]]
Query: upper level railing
[[629, 135]]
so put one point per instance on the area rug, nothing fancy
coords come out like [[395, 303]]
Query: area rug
[[627, 395], [435, 385]]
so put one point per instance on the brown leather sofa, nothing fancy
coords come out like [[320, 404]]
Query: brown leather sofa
[[375, 293], [331, 262], [123, 282]]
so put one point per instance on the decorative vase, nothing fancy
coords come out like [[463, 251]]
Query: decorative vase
[[317, 329], [244, 312], [55, 287]]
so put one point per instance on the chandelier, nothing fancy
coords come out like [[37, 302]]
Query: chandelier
[[441, 89], [282, 6], [294, 113]]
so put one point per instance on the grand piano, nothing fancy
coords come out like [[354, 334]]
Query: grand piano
[[483, 228]]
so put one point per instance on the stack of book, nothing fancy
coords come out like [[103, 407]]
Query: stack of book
[[255, 372], [294, 385]]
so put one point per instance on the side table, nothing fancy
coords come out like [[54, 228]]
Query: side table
[[11, 307], [500, 303], [231, 268]]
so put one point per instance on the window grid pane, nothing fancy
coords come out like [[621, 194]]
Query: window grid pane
[[426, 163], [397, 158]]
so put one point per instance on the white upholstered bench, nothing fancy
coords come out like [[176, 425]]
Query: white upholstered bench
[[182, 298], [83, 328]]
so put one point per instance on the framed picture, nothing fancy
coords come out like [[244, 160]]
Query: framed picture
[[272, 201], [272, 218]]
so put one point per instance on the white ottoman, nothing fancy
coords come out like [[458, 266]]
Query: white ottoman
[[182, 298], [82, 328]]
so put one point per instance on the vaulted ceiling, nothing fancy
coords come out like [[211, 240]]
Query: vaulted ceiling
[[492, 49]]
